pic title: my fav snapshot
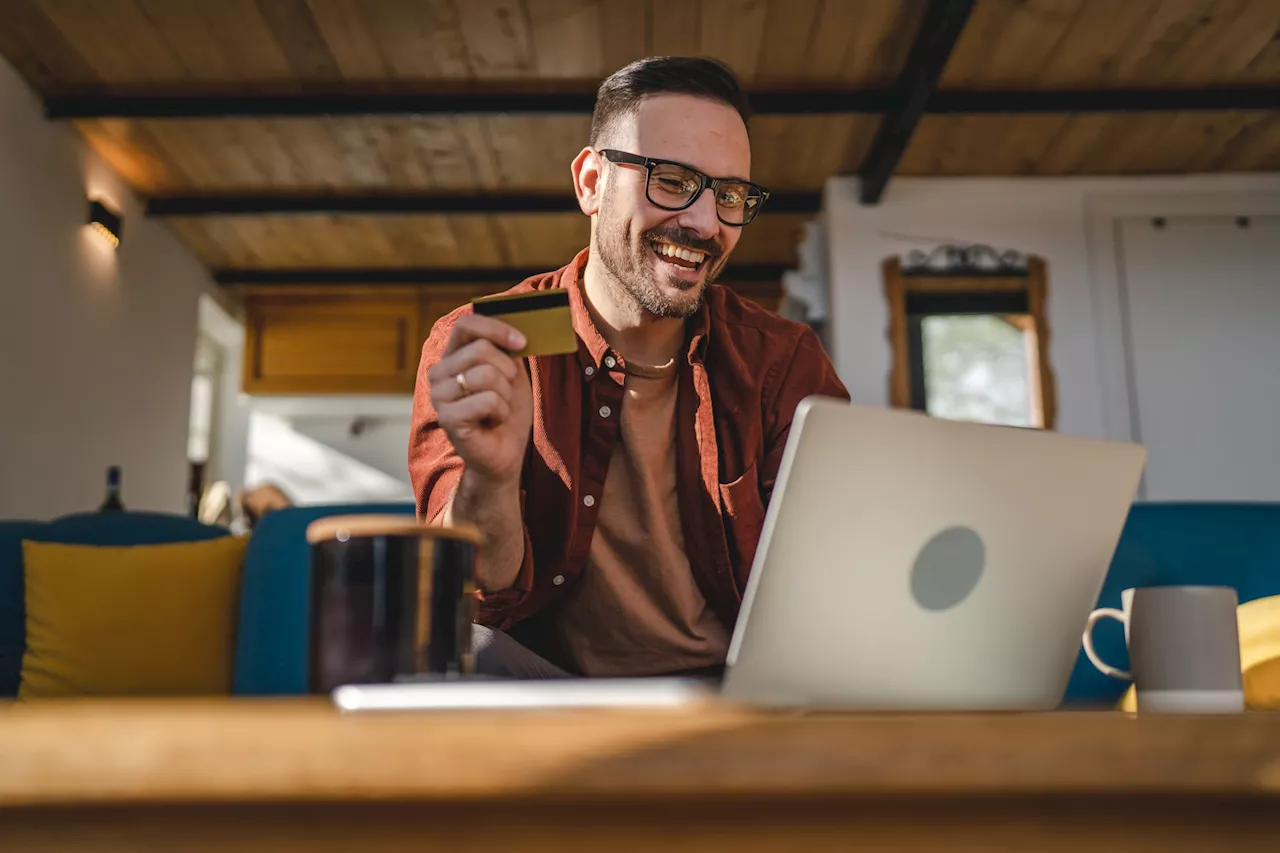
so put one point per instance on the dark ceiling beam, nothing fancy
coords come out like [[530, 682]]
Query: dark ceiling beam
[[743, 273], [944, 21], [312, 104], [1205, 99], [320, 203], [864, 101], [801, 102]]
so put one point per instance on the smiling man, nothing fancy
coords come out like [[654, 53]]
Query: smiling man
[[621, 490]]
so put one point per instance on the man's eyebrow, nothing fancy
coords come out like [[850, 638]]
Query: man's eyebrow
[[701, 172], [724, 177], [719, 177]]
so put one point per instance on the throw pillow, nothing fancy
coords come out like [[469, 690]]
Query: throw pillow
[[147, 620]]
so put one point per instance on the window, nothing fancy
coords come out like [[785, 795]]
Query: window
[[970, 337], [200, 425]]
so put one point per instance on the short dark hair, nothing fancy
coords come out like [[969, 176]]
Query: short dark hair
[[623, 90]]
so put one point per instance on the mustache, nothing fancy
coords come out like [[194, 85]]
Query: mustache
[[685, 237]]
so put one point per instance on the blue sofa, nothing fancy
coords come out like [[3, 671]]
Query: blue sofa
[[271, 638], [1231, 544]]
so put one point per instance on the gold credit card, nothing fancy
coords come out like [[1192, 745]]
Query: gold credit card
[[542, 316]]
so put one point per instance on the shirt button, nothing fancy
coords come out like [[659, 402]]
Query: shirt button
[[589, 501], [605, 411], [591, 371], [610, 361], [557, 580]]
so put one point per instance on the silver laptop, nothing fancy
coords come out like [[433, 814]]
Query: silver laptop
[[913, 563], [906, 563]]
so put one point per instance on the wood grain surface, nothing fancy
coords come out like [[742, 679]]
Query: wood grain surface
[[99, 752], [123, 45], [465, 241], [138, 47], [266, 775]]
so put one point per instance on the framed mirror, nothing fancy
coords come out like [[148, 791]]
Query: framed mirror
[[970, 336]]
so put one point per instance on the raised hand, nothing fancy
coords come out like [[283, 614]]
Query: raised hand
[[483, 399]]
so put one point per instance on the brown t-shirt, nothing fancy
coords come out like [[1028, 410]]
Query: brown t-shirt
[[637, 609]]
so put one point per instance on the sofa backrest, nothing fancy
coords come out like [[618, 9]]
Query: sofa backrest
[[271, 643]]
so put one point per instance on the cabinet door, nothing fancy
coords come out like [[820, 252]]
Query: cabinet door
[[332, 345], [439, 300]]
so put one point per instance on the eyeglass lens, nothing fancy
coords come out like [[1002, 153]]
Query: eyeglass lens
[[672, 187]]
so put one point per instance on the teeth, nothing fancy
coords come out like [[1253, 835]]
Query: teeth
[[677, 252]]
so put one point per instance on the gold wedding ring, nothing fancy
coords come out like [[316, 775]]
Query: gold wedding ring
[[461, 379]]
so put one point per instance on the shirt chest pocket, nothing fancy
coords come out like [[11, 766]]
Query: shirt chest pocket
[[743, 511]]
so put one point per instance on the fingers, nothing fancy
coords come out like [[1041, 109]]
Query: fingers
[[479, 377], [465, 360], [476, 352], [484, 407], [479, 351], [473, 327]]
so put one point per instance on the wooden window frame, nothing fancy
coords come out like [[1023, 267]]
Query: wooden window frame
[[1033, 284]]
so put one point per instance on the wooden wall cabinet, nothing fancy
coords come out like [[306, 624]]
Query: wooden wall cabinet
[[341, 340], [358, 339]]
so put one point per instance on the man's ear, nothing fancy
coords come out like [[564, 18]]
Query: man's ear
[[588, 180]]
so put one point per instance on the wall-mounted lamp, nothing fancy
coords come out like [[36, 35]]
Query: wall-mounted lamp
[[106, 222]]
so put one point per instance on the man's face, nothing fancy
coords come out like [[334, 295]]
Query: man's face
[[634, 236]]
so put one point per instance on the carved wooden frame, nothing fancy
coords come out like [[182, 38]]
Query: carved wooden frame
[[1034, 284]]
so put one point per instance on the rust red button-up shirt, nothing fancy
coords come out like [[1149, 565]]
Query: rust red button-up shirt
[[742, 374]]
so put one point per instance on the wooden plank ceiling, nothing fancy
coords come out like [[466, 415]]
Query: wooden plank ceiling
[[416, 153], [197, 47], [1107, 44]]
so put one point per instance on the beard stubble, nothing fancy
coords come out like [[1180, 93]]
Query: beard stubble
[[630, 269]]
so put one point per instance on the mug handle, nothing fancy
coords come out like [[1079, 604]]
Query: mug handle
[[1103, 667]]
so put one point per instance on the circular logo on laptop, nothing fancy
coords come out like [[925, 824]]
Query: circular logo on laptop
[[948, 568]]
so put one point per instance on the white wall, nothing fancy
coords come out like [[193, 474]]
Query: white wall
[[1070, 222], [1202, 299], [96, 345]]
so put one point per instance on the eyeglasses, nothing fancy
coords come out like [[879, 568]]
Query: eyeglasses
[[675, 186]]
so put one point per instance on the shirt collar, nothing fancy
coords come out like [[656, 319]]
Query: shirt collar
[[592, 348]]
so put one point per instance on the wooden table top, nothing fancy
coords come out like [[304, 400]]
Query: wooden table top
[[243, 750]]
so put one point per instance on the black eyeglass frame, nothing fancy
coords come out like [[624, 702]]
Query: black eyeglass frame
[[705, 182]]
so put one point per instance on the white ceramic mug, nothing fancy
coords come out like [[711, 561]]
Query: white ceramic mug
[[1184, 648]]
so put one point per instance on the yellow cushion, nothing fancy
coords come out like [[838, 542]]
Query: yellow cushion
[[1259, 625], [148, 620]]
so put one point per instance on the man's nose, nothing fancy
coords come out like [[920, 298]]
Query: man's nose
[[700, 217]]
